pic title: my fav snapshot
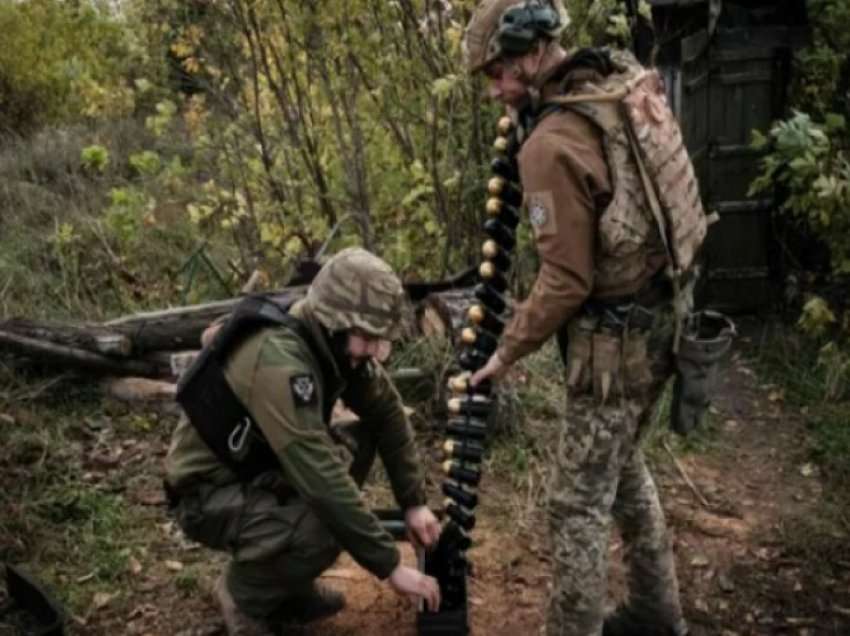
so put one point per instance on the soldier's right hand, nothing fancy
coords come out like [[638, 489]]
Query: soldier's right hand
[[411, 582]]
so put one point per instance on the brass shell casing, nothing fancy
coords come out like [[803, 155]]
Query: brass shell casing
[[505, 125], [476, 313], [468, 335], [490, 248], [487, 270], [501, 144], [495, 185], [459, 383], [454, 405], [494, 206]]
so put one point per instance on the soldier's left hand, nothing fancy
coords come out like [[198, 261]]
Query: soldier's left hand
[[423, 528]]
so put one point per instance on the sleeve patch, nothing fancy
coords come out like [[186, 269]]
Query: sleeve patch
[[303, 389], [540, 207]]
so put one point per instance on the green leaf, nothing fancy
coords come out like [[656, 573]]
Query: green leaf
[[95, 158], [443, 86], [758, 141]]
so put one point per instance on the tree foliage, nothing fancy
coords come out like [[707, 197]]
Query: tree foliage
[[807, 163], [276, 129], [315, 118], [807, 154], [60, 61]]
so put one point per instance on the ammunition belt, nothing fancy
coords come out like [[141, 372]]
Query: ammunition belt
[[469, 407]]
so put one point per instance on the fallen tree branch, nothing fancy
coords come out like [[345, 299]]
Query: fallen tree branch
[[684, 475]]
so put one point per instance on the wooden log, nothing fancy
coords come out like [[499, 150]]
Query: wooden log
[[140, 389], [144, 344], [181, 327], [65, 356], [89, 337]]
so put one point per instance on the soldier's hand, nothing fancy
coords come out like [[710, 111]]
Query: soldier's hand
[[209, 333], [412, 583], [495, 369], [422, 526]]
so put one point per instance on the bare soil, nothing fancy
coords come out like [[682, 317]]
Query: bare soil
[[753, 556]]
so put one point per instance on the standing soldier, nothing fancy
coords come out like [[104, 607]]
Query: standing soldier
[[602, 285], [279, 493]]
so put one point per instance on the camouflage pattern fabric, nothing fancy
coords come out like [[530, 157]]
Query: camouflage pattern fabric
[[601, 476], [279, 545], [641, 127], [480, 40], [358, 290]]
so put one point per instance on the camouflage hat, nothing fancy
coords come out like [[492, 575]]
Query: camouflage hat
[[356, 289], [509, 27]]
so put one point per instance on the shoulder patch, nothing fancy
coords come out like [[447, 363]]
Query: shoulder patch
[[537, 213], [303, 389], [541, 213]]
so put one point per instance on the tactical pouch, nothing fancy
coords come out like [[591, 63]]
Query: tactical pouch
[[607, 364], [579, 354], [706, 340], [637, 376]]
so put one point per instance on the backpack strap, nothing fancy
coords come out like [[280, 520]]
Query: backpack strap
[[213, 408], [681, 302]]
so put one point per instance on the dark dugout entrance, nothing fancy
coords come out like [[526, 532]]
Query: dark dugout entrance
[[727, 65]]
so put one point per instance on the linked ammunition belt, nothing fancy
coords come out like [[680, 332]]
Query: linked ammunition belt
[[469, 407]]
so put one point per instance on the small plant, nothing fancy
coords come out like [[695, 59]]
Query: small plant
[[95, 158], [125, 215], [187, 580], [146, 163]]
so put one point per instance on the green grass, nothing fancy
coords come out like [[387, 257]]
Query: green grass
[[79, 243], [67, 522], [818, 387]]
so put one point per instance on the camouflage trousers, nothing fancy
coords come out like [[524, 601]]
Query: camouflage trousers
[[601, 476], [277, 543]]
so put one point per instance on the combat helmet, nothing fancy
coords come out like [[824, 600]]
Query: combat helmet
[[357, 290], [510, 27]]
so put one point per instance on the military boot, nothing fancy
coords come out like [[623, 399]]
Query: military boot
[[625, 622], [237, 622], [316, 602]]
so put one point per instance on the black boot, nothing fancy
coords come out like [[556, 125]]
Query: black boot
[[317, 602], [625, 622]]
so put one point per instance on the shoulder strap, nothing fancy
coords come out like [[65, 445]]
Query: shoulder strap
[[210, 403]]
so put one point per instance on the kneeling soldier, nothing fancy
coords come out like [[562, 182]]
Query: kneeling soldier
[[286, 515]]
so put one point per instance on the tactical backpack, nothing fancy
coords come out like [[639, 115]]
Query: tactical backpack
[[210, 403], [641, 135]]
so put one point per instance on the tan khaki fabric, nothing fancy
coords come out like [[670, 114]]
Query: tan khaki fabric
[[586, 204], [653, 177]]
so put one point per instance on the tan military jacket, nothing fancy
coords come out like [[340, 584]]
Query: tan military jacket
[[566, 186], [263, 373]]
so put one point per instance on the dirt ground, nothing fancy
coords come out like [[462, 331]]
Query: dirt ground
[[736, 529]]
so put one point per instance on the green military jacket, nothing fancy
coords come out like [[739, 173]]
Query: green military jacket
[[264, 372]]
